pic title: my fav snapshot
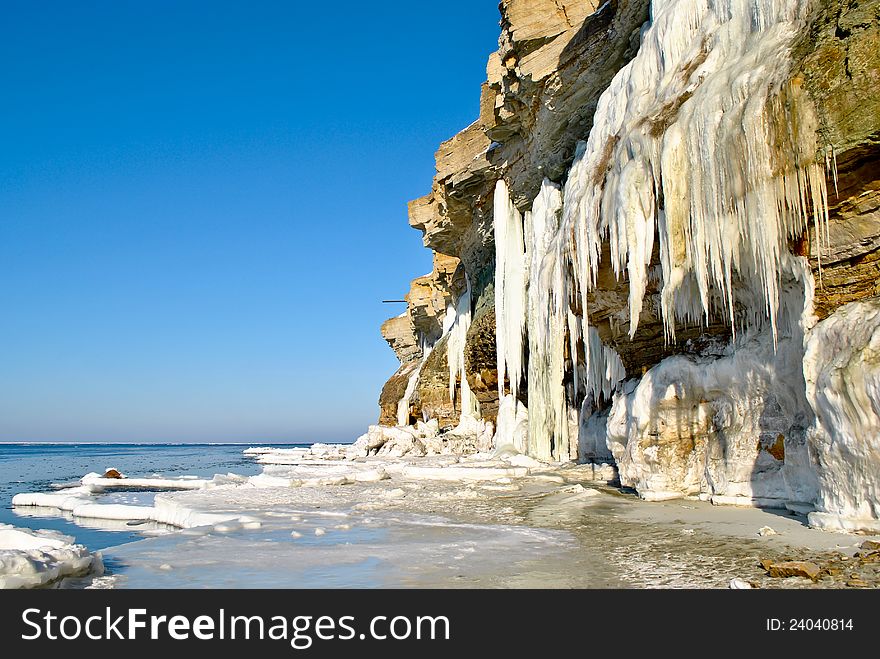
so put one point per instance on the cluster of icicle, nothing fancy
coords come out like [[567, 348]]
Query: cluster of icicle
[[531, 300], [701, 140]]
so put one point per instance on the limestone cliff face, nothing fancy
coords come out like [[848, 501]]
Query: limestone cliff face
[[554, 60], [542, 87], [839, 67], [420, 325], [703, 431]]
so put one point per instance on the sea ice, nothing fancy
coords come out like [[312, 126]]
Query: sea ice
[[96, 482], [35, 558]]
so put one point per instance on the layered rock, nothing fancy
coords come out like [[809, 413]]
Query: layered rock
[[433, 388], [401, 336], [415, 331], [837, 65], [481, 362], [542, 87], [555, 58], [393, 392]]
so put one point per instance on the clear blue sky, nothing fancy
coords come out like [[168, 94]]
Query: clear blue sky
[[203, 203]]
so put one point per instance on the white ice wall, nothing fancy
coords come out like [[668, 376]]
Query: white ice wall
[[842, 371], [702, 141]]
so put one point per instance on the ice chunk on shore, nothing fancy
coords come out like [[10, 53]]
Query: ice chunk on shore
[[30, 559], [520, 460], [66, 499], [372, 475], [740, 584], [284, 456], [267, 480], [80, 503]]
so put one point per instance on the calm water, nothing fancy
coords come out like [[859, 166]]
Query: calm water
[[42, 467]]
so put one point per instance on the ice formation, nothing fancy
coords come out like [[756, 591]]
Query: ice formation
[[731, 427], [536, 302], [842, 369], [81, 502], [35, 558], [81, 505], [96, 482], [403, 404], [258, 450], [603, 368], [510, 289], [512, 424], [548, 419], [700, 140], [457, 322]]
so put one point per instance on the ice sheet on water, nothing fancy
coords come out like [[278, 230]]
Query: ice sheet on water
[[394, 551]]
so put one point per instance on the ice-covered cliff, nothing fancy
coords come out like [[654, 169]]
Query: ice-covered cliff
[[659, 247]]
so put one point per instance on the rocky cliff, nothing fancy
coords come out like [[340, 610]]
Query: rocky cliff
[[662, 235]]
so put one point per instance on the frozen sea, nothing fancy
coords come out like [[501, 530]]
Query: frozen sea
[[549, 527], [33, 467], [360, 535]]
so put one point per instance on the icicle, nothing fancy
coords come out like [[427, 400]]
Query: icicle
[[457, 330], [403, 404], [693, 137], [604, 368], [547, 305], [700, 139], [510, 289]]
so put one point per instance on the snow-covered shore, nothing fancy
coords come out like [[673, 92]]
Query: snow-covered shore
[[370, 514]]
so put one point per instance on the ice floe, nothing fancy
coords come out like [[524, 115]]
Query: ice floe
[[30, 559]]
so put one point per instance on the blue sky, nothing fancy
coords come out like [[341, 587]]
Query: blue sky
[[202, 205]]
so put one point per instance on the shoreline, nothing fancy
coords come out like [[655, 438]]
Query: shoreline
[[321, 520]]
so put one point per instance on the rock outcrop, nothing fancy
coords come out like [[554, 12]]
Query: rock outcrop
[[538, 101], [555, 58], [696, 361], [839, 69]]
